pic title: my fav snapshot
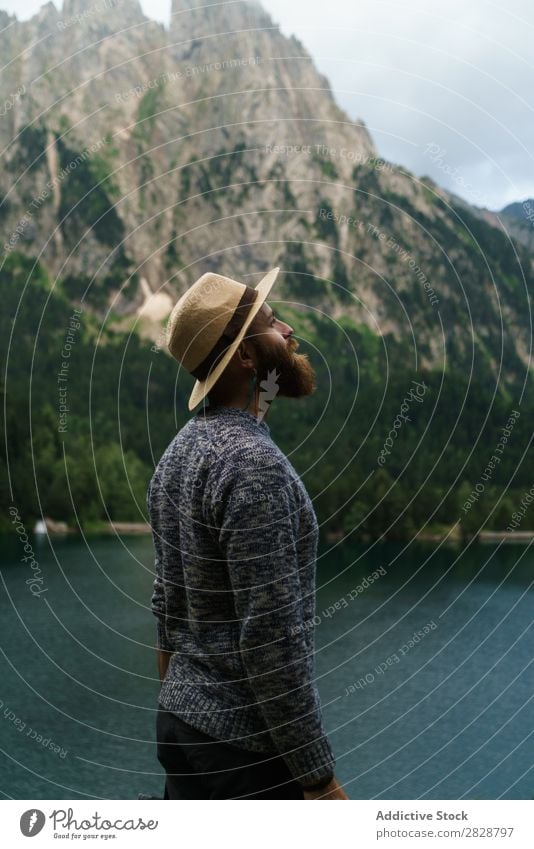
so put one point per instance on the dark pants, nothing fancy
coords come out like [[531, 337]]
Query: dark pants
[[199, 767]]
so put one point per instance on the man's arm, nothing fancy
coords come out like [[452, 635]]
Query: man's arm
[[257, 537], [163, 645], [158, 604], [164, 649]]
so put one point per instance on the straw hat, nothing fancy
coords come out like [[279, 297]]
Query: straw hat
[[195, 329]]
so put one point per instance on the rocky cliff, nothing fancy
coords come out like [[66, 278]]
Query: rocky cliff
[[137, 157]]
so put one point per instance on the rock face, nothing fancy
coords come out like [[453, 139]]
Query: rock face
[[137, 157]]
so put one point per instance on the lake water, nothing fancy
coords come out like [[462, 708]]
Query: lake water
[[426, 674]]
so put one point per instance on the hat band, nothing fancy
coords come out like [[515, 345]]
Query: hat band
[[232, 328]]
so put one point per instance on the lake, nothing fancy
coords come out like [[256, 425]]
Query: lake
[[424, 662]]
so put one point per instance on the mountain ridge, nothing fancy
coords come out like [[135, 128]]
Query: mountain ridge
[[215, 144]]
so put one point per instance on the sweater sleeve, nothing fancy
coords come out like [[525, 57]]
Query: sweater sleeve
[[257, 537], [158, 602]]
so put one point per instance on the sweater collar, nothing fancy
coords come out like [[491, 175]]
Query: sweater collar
[[218, 410]]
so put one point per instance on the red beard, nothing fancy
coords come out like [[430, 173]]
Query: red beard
[[294, 377]]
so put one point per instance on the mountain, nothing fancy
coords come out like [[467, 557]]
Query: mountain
[[135, 158], [516, 220], [138, 157], [520, 211], [169, 119], [519, 221]]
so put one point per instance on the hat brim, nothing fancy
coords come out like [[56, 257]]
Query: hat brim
[[202, 387]]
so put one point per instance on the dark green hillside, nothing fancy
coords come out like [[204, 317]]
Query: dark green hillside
[[123, 411]]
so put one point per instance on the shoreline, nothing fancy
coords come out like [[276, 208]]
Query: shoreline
[[61, 529]]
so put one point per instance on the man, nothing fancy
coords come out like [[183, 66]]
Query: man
[[235, 536]]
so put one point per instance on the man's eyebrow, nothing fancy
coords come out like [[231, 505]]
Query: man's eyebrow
[[271, 315]]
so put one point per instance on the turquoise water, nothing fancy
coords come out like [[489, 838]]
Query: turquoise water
[[446, 713]]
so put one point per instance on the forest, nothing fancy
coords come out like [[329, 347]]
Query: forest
[[88, 412]]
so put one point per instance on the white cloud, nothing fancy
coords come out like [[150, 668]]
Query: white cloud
[[459, 75]]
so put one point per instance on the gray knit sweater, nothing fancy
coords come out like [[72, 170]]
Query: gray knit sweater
[[235, 537]]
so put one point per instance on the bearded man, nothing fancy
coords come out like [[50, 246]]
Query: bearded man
[[235, 537]]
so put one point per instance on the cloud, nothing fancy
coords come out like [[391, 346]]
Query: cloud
[[457, 75]]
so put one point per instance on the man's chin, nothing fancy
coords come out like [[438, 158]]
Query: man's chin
[[299, 381], [295, 373]]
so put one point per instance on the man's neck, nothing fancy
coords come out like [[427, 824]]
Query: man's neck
[[239, 404]]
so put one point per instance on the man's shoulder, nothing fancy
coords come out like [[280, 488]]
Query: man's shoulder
[[249, 454], [180, 448], [253, 471]]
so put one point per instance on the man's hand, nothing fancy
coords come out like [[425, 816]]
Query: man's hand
[[331, 791], [163, 662]]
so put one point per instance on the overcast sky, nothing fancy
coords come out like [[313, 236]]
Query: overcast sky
[[446, 87]]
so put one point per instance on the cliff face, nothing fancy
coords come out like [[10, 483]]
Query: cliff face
[[137, 157]]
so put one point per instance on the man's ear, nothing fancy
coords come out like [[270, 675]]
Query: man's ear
[[245, 353]]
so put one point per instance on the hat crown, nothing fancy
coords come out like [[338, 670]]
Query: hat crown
[[200, 316]]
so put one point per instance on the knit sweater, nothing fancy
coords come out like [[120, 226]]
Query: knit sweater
[[235, 537]]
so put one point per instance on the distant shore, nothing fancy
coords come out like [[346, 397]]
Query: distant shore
[[510, 536], [453, 536], [57, 529]]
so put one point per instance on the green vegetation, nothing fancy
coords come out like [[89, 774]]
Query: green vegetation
[[85, 202], [366, 178], [99, 466], [172, 259], [123, 410], [123, 413], [327, 167], [218, 172], [146, 115], [303, 284], [30, 149], [102, 166]]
